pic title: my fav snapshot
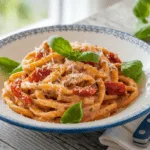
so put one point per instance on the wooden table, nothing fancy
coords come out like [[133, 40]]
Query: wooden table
[[118, 16]]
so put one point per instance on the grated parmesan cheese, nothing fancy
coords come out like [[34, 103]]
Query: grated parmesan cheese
[[48, 65], [112, 66], [27, 60], [37, 50], [106, 62], [53, 61], [40, 74], [99, 53], [37, 68]]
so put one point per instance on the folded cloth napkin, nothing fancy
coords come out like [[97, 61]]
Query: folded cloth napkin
[[120, 138]]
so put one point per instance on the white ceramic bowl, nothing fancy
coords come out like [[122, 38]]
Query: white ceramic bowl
[[127, 46]]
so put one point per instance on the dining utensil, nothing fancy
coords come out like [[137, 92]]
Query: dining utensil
[[141, 136]]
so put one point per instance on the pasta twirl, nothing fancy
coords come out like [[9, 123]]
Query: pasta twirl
[[50, 83]]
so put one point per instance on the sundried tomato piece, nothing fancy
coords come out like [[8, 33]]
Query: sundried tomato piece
[[115, 88], [39, 55], [113, 58], [16, 89], [90, 63], [39, 74]]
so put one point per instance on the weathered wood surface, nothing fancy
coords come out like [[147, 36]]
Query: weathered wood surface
[[15, 138]]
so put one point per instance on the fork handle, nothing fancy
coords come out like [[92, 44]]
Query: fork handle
[[141, 136]]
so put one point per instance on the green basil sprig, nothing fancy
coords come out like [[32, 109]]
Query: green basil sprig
[[63, 47], [9, 66], [73, 114], [132, 69], [142, 10]]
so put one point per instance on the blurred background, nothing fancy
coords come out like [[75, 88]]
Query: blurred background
[[16, 14]]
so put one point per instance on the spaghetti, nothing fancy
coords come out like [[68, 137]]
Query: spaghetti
[[50, 83]]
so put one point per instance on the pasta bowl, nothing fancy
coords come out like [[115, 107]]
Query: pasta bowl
[[125, 45]]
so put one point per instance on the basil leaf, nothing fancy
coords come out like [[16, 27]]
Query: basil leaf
[[132, 69], [73, 114], [88, 56], [60, 45], [74, 55], [142, 9], [141, 23], [143, 32], [137, 79], [63, 47], [7, 65], [18, 69]]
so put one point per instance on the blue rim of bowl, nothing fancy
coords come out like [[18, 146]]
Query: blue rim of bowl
[[84, 28]]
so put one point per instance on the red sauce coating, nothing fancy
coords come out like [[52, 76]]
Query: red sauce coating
[[86, 91]]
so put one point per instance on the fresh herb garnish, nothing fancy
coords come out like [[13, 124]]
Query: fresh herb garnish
[[143, 31], [9, 66], [63, 47], [142, 10], [88, 56], [18, 69], [132, 69], [73, 114]]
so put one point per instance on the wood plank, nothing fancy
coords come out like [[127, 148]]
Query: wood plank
[[6, 146], [22, 139]]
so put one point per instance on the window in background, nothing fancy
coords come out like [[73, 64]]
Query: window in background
[[72, 11], [15, 14]]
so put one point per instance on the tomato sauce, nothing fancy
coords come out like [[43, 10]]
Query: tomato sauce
[[86, 91]]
